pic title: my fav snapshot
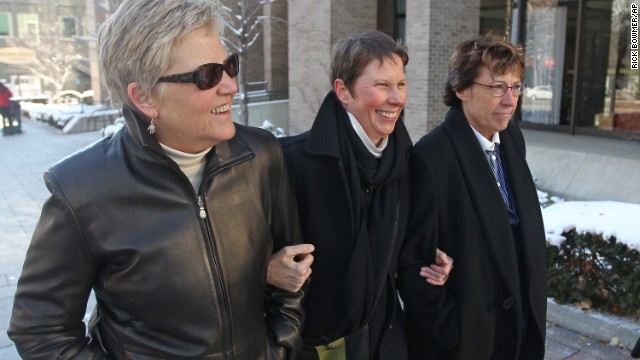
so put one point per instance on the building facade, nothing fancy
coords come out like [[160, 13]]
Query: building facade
[[579, 57], [579, 66], [579, 53], [44, 46], [49, 45]]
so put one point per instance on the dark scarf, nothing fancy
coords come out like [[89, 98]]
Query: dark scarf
[[374, 186]]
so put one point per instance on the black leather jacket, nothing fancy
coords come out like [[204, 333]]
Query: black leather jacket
[[177, 274]]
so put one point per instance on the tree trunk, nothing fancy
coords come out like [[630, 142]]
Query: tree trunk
[[243, 114]]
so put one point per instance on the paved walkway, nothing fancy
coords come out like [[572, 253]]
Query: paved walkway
[[23, 159]]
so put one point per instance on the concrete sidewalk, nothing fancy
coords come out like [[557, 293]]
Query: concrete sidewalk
[[580, 167], [23, 159]]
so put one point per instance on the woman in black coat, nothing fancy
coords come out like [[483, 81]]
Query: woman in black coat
[[635, 353], [348, 174], [494, 304]]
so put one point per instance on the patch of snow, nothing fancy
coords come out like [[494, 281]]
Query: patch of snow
[[608, 218]]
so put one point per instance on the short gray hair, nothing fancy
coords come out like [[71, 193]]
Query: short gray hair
[[137, 41]]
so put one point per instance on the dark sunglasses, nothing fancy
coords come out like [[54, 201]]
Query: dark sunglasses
[[208, 75]]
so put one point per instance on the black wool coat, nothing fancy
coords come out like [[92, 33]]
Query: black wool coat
[[321, 185], [457, 207]]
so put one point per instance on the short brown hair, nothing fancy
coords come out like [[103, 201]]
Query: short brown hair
[[352, 54], [496, 53]]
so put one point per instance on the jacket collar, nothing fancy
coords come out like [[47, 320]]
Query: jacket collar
[[223, 155], [138, 129], [229, 153], [323, 137]]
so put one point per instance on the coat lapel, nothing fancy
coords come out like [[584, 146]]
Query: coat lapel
[[322, 145], [323, 137], [525, 196]]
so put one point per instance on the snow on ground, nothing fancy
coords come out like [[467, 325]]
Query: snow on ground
[[608, 218]]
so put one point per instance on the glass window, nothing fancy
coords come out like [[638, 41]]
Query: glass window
[[550, 40], [495, 17], [5, 24], [607, 89], [401, 17], [611, 88], [28, 28], [68, 27]]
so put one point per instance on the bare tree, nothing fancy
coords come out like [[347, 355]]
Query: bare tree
[[108, 6], [248, 26], [313, 94], [56, 55], [97, 12]]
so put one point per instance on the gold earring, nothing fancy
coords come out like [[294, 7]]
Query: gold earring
[[152, 127]]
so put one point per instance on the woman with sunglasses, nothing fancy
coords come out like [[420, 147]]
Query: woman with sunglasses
[[171, 221]]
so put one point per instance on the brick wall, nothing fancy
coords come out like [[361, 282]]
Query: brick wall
[[276, 47], [314, 26], [309, 49], [433, 30]]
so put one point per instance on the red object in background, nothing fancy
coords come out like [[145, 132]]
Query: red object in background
[[627, 121], [5, 95], [550, 63]]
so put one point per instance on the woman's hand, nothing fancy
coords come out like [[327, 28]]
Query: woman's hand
[[438, 273], [290, 267]]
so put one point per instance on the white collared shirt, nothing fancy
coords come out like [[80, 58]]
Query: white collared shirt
[[374, 150], [484, 143]]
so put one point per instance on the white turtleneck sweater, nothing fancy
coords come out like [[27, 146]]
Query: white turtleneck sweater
[[192, 165]]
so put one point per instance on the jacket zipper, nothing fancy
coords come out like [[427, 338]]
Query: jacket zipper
[[203, 212], [227, 336], [220, 290]]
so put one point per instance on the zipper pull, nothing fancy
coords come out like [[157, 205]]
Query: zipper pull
[[203, 212]]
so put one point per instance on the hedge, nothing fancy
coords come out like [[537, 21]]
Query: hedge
[[589, 268]]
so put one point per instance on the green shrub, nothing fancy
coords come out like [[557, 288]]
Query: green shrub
[[588, 268]]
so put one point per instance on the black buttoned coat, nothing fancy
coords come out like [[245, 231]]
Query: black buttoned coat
[[457, 207]]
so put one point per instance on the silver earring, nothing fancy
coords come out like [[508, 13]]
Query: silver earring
[[152, 127]]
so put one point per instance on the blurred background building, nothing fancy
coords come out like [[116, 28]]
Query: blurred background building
[[578, 59], [43, 49], [578, 54]]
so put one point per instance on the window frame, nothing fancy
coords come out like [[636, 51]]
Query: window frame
[[9, 24]]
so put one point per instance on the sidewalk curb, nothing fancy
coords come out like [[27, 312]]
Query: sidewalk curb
[[593, 324]]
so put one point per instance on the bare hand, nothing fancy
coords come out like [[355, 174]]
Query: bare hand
[[290, 267], [438, 273]]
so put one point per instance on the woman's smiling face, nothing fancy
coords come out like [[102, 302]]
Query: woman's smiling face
[[379, 95], [189, 119]]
